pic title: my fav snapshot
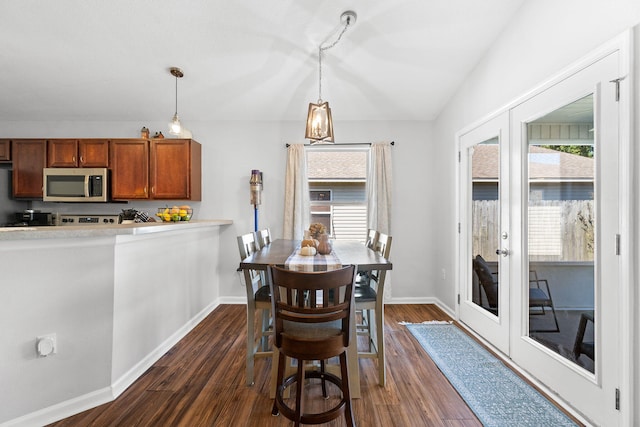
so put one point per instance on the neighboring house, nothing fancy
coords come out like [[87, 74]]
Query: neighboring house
[[560, 213], [337, 189]]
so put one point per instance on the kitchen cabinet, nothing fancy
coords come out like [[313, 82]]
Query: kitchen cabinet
[[176, 169], [5, 150], [129, 169], [29, 159], [89, 153]]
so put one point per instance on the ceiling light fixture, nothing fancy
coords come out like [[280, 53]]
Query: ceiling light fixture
[[175, 127], [319, 121]]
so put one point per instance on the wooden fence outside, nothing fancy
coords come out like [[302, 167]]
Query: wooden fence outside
[[559, 230]]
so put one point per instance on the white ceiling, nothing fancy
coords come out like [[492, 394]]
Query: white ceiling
[[84, 60]]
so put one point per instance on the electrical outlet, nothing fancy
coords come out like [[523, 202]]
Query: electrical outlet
[[444, 274], [46, 345]]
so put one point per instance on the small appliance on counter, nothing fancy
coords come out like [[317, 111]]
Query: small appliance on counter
[[32, 218]]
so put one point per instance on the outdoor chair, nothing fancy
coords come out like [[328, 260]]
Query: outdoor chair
[[581, 346], [539, 299], [258, 298], [539, 296], [488, 284], [312, 313]]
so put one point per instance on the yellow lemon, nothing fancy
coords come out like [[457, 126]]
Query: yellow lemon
[[166, 217]]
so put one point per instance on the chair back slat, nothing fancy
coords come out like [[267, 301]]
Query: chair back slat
[[262, 237]]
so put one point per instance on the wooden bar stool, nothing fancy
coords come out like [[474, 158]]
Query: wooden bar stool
[[311, 315]]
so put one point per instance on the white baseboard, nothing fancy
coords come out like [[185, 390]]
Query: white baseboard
[[121, 384], [98, 397]]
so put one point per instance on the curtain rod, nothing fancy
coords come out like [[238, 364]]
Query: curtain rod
[[347, 143]]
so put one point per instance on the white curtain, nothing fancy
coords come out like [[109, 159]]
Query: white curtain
[[379, 186], [296, 194]]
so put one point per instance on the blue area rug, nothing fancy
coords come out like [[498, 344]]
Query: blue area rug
[[497, 396]]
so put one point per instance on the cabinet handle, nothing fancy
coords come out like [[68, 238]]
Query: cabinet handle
[[73, 159], [81, 159], [153, 190]]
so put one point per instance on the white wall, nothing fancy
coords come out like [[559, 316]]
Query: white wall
[[231, 150]]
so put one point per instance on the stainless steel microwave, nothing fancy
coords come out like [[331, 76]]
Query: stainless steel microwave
[[75, 185]]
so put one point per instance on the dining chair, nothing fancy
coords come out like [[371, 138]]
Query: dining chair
[[263, 237], [369, 297], [312, 314], [258, 298], [370, 242]]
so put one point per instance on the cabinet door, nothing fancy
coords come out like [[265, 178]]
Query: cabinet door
[[175, 166], [129, 169], [93, 153], [62, 153], [29, 159], [169, 168], [5, 150]]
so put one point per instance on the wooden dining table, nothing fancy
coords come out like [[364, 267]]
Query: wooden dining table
[[349, 252]]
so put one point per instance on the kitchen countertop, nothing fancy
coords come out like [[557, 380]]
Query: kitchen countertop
[[63, 232]]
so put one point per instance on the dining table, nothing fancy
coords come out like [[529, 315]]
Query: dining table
[[284, 253]]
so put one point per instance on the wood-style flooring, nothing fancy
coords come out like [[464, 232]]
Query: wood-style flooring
[[201, 382]]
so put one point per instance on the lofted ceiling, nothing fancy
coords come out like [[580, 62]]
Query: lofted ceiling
[[99, 60]]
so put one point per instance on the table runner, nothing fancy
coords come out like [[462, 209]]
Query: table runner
[[297, 262]]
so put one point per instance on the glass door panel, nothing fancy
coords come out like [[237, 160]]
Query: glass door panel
[[562, 229], [485, 224], [484, 230]]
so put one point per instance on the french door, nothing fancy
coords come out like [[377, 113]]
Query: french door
[[484, 291], [539, 265]]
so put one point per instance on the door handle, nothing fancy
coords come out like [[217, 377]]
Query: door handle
[[503, 252]]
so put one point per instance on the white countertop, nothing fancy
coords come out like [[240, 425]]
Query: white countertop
[[72, 231]]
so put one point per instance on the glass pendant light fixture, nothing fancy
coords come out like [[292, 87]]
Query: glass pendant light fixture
[[319, 121], [175, 127]]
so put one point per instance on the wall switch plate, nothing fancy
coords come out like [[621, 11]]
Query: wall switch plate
[[46, 345]]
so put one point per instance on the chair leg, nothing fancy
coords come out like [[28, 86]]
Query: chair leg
[[299, 388], [379, 315], [346, 392], [323, 369], [264, 328], [251, 312], [278, 382]]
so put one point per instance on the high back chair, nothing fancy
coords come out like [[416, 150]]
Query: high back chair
[[369, 297], [263, 237], [539, 299], [258, 298], [312, 313]]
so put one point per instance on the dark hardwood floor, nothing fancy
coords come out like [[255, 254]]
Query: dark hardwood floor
[[200, 382]]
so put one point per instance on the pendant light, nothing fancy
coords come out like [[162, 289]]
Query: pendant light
[[319, 121], [175, 127]]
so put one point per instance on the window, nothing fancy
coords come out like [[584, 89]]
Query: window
[[337, 190]]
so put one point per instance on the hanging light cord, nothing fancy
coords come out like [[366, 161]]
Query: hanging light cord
[[176, 113], [321, 49]]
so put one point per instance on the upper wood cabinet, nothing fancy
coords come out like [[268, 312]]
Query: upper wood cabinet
[[84, 153], [176, 169], [29, 159], [5, 150], [129, 169]]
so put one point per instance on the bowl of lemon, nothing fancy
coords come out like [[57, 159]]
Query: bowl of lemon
[[175, 213]]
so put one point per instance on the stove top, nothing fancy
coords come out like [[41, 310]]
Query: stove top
[[93, 219]]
